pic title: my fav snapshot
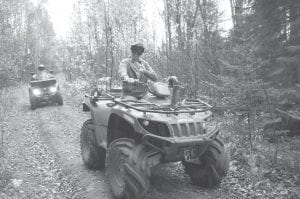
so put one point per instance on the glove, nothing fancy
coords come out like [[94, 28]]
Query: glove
[[129, 80], [143, 71]]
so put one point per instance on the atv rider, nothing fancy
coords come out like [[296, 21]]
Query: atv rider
[[134, 70], [42, 73]]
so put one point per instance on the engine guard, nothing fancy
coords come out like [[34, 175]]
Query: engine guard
[[46, 98], [172, 148]]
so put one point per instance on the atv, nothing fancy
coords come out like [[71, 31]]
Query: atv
[[129, 136], [44, 91]]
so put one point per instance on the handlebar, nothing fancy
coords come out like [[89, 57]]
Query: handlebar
[[136, 82]]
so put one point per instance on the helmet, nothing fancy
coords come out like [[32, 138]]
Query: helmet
[[41, 67], [137, 47]]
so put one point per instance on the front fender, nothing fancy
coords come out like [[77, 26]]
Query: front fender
[[87, 105]]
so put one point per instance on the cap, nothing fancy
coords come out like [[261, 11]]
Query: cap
[[41, 66], [138, 48], [138, 44]]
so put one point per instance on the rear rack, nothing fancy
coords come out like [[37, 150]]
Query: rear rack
[[43, 83], [191, 106]]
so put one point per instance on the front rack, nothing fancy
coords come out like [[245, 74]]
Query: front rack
[[191, 106]]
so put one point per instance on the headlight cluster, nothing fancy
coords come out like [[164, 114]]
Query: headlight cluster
[[154, 127], [209, 123], [36, 91], [53, 89]]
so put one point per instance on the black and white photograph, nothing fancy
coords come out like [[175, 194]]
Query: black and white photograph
[[149, 99]]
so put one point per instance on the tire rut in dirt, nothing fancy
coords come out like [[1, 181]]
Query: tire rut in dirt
[[61, 131], [214, 165], [92, 155], [31, 161], [127, 169]]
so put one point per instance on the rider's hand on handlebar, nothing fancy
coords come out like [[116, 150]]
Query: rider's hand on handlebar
[[133, 81], [142, 71], [129, 80]]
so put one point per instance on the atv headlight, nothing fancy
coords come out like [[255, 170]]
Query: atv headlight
[[154, 127], [209, 123], [53, 89], [36, 91]]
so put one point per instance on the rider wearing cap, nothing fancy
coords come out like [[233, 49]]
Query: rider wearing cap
[[134, 69], [42, 73]]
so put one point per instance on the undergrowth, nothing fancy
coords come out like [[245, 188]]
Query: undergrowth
[[7, 100]]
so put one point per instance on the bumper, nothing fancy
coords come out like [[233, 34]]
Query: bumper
[[45, 97], [172, 147]]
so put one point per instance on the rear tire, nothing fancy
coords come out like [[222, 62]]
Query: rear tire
[[59, 99], [127, 169], [213, 167], [93, 156]]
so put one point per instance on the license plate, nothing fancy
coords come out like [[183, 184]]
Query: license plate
[[191, 153]]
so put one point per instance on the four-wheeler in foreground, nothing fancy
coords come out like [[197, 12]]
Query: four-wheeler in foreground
[[44, 91], [128, 136]]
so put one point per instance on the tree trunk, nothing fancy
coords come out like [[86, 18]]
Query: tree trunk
[[168, 35]]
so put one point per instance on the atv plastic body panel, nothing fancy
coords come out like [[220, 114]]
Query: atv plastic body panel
[[167, 130], [44, 90]]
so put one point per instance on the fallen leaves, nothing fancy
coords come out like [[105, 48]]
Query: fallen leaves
[[16, 182]]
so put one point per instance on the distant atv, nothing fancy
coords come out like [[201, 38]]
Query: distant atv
[[44, 91], [130, 136]]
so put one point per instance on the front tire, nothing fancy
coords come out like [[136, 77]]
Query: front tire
[[93, 156], [127, 169], [59, 99], [214, 164], [33, 103]]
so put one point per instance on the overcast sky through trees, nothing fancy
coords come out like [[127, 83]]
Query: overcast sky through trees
[[61, 11]]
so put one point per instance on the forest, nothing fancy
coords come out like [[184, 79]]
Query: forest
[[250, 73]]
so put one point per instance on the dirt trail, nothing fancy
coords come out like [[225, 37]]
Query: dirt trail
[[44, 153], [45, 158], [60, 130]]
